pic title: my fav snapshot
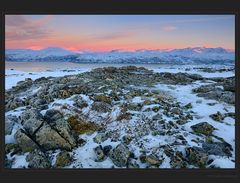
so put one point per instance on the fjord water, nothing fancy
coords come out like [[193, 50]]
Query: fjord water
[[43, 66]]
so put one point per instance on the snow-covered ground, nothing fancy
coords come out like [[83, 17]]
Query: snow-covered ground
[[84, 156], [14, 76]]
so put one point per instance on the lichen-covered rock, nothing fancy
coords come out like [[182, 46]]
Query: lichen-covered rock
[[217, 116], [12, 148], [79, 102], [100, 155], [120, 155], [188, 106], [25, 142], [107, 149], [9, 123], [196, 156], [80, 126], [63, 128], [102, 107], [37, 159], [217, 148], [127, 139], [53, 115], [103, 98], [100, 137], [49, 139], [63, 159], [203, 128], [178, 161], [153, 160], [229, 84], [14, 103]]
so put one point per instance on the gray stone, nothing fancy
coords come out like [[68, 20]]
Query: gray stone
[[37, 159], [196, 156], [25, 142], [49, 139], [9, 123], [100, 155], [120, 155], [100, 137], [101, 107], [217, 148], [203, 128], [153, 160]]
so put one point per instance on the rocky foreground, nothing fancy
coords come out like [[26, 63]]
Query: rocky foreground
[[116, 117]]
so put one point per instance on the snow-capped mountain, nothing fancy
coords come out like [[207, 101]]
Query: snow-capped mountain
[[180, 56], [34, 54]]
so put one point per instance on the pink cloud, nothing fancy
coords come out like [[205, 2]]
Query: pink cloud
[[19, 27]]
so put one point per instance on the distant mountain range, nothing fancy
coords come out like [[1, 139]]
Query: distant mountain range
[[175, 56]]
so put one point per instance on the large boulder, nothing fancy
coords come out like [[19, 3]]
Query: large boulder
[[120, 155], [50, 139], [196, 156], [203, 128], [32, 119], [25, 142], [217, 148]]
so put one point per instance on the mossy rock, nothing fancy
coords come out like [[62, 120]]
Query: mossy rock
[[12, 148], [63, 159], [147, 102], [203, 128], [103, 98], [80, 127], [156, 108]]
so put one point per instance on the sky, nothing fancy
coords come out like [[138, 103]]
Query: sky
[[125, 32]]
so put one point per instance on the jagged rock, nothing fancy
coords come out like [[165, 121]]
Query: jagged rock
[[79, 102], [32, 119], [228, 97], [52, 115], [178, 161], [120, 155], [25, 142], [14, 103], [217, 117], [80, 126], [188, 106], [229, 84], [217, 148], [203, 128], [63, 128], [127, 139], [176, 110], [204, 89], [100, 155], [196, 156], [49, 139], [37, 159], [107, 149], [9, 123], [103, 98], [132, 164], [12, 148], [102, 107], [153, 160], [100, 137], [63, 159]]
